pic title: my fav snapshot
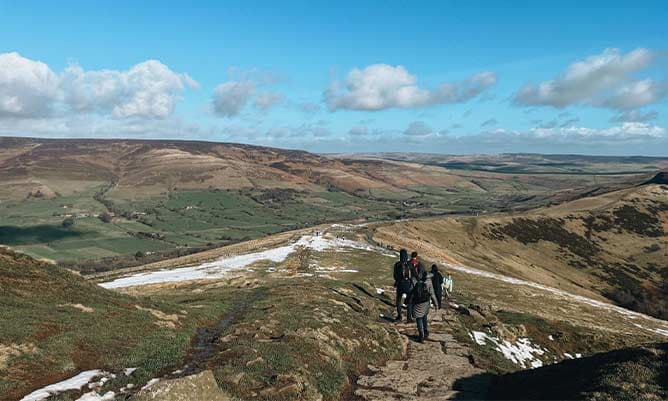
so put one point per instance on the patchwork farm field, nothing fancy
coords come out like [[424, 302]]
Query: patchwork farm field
[[96, 204]]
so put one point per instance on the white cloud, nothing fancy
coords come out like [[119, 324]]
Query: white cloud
[[149, 89], [603, 80], [624, 132], [231, 97], [27, 88], [382, 86], [636, 94]]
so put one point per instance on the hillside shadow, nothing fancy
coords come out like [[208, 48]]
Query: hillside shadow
[[13, 235], [624, 374], [474, 387]]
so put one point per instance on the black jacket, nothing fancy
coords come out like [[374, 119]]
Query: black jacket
[[437, 282], [402, 273]]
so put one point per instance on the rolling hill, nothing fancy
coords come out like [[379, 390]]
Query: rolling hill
[[136, 201], [613, 245]]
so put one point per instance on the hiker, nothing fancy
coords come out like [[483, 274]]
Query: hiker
[[416, 267], [437, 284], [419, 298], [402, 281], [447, 285]]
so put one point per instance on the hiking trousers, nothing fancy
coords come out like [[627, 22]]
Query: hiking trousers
[[423, 329], [439, 296], [401, 290]]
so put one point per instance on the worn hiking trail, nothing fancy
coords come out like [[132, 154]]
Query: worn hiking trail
[[432, 371]]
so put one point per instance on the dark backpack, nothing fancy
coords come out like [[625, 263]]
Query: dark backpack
[[421, 293], [406, 271]]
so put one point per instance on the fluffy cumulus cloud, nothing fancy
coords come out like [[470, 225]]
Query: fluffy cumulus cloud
[[603, 80], [30, 89], [382, 86], [148, 90]]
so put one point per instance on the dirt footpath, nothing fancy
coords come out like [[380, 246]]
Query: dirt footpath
[[430, 372]]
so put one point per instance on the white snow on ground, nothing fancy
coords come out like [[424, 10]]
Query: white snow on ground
[[584, 300], [93, 396], [150, 383], [74, 383], [222, 266], [657, 331], [522, 353]]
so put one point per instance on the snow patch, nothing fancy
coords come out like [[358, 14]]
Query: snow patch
[[563, 294], [522, 352], [150, 383], [74, 383], [221, 267]]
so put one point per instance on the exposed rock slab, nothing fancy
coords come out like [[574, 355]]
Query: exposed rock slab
[[198, 387], [431, 371]]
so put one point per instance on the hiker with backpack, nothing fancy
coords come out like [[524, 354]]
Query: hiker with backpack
[[402, 281], [419, 298], [437, 284]]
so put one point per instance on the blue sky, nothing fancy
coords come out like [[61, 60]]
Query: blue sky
[[448, 77]]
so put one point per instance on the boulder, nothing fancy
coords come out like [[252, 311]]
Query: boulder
[[198, 387]]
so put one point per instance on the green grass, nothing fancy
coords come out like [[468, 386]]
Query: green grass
[[114, 334]]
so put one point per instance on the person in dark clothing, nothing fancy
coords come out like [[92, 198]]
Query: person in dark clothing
[[419, 298], [437, 284], [417, 269], [402, 281]]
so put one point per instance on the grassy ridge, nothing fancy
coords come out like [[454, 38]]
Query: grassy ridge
[[56, 324]]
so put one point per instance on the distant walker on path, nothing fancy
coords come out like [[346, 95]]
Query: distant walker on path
[[402, 281], [437, 284]]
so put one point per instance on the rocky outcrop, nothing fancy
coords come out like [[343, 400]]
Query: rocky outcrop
[[198, 387]]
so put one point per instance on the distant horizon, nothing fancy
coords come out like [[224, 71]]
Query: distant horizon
[[445, 77], [326, 153]]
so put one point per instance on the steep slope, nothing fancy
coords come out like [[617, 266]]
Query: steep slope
[[55, 324], [613, 245]]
